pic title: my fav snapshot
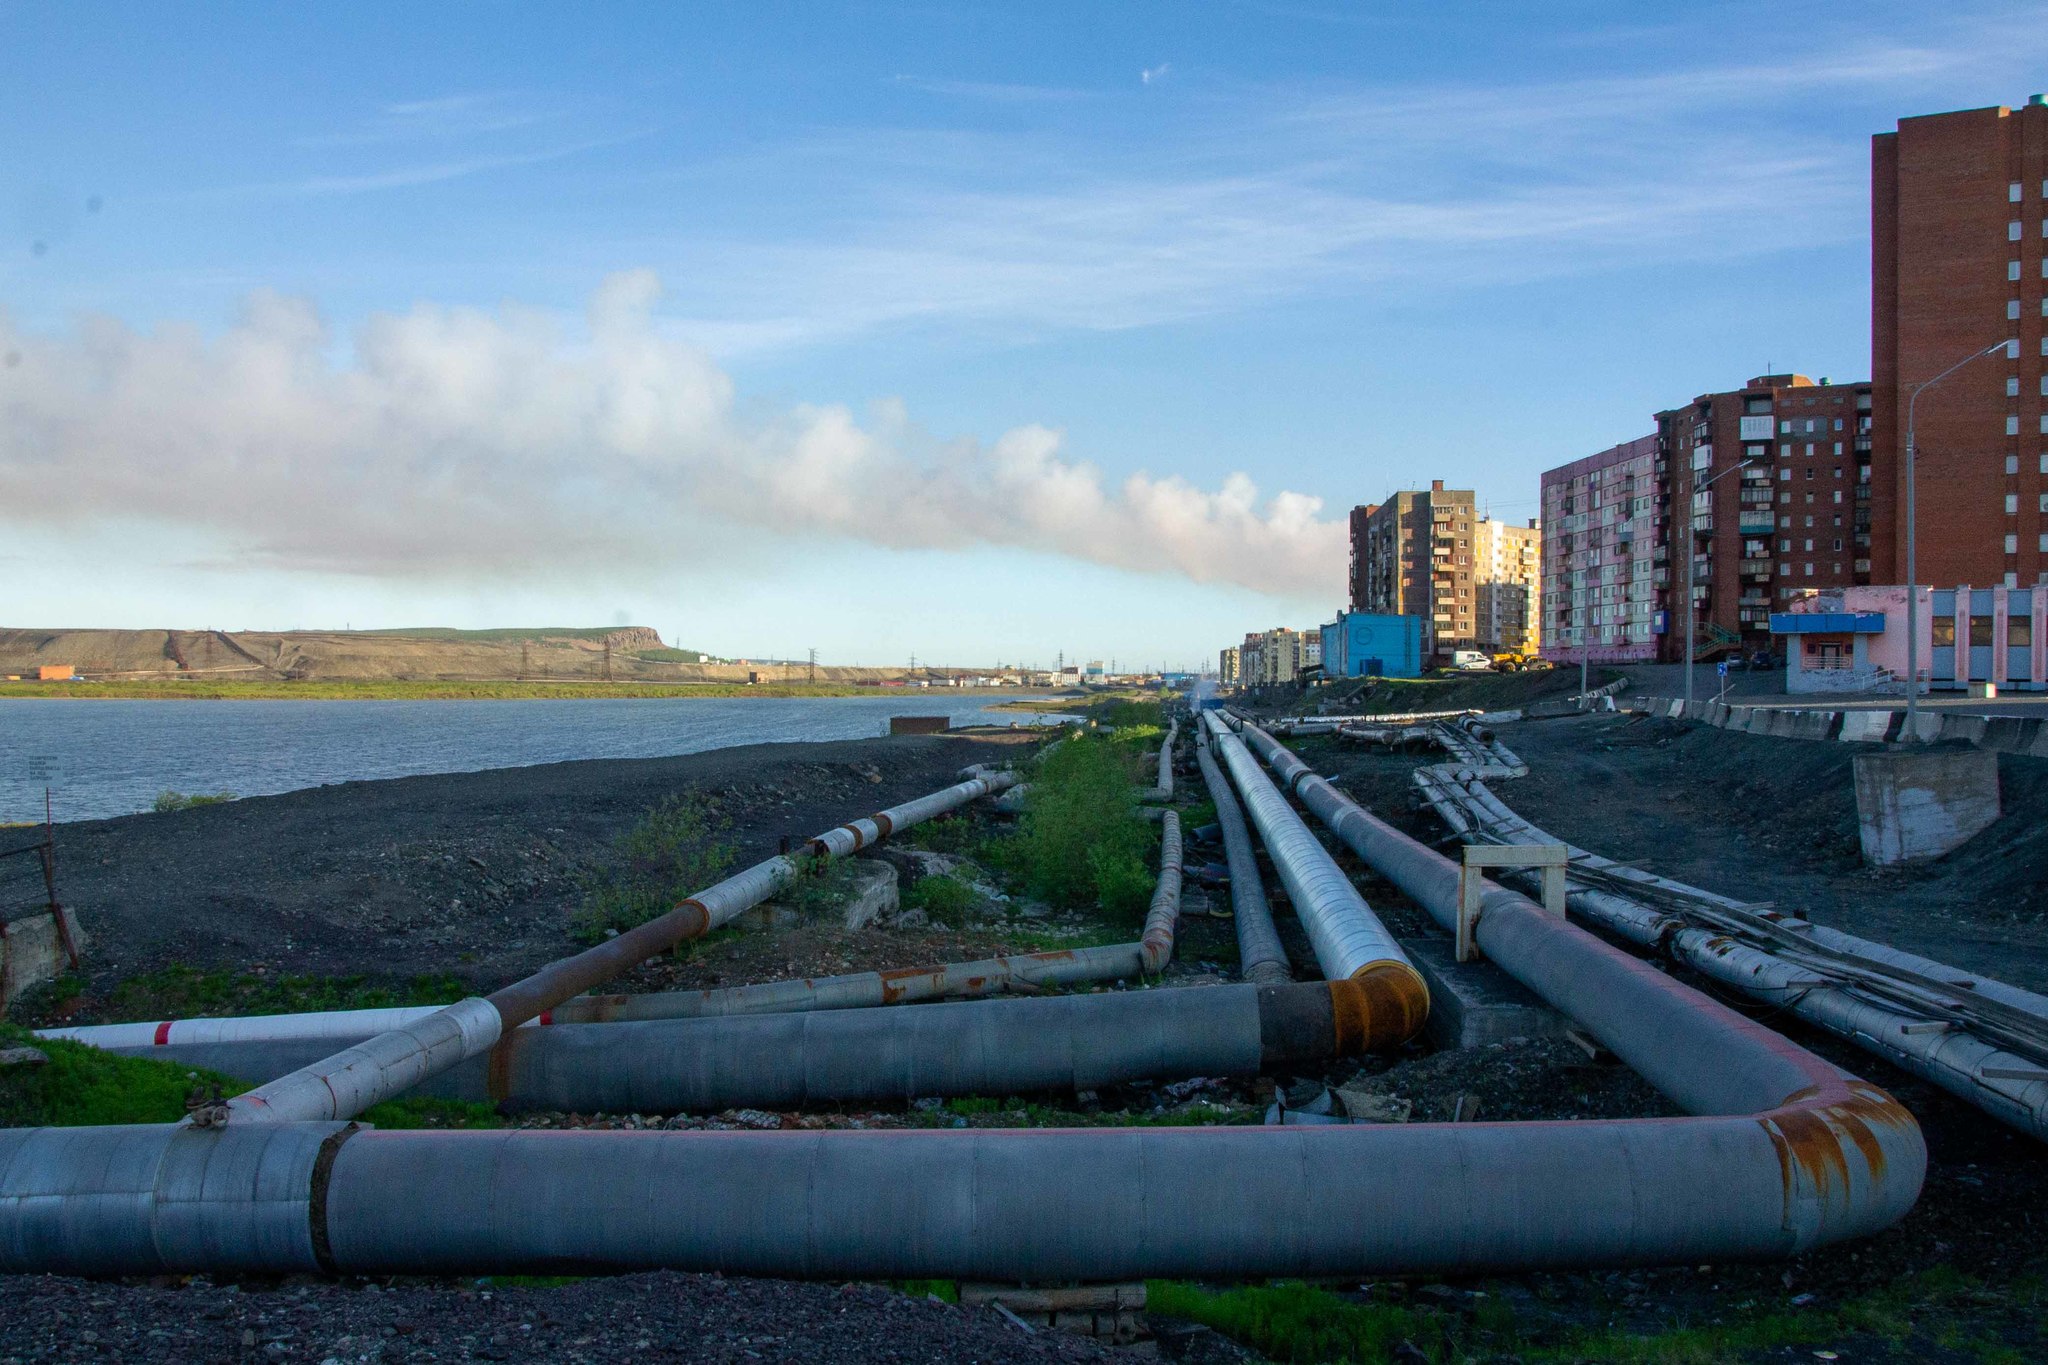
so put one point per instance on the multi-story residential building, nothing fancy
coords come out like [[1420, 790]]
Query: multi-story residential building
[[1605, 561], [1959, 262], [1768, 487], [1413, 556], [1507, 564], [1227, 667]]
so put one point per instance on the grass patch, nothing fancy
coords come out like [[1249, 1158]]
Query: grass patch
[[678, 848], [180, 992], [1081, 842], [85, 1087], [167, 801], [827, 884], [945, 899], [1296, 1322]]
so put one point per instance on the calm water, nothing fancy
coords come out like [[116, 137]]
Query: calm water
[[113, 757]]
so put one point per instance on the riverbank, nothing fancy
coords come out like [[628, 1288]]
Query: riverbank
[[476, 875], [509, 689]]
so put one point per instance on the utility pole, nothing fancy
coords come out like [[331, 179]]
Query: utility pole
[[814, 665], [607, 660]]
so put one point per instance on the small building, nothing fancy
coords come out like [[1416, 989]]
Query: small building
[[1367, 645], [57, 672], [1854, 639]]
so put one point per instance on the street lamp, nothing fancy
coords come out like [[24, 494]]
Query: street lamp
[[1912, 581], [1690, 624]]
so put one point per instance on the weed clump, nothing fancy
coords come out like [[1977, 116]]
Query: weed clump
[[1081, 841], [945, 899], [167, 801], [678, 848]]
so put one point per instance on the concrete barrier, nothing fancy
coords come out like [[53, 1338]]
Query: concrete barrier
[[1916, 804], [32, 951], [1865, 727], [1968, 729]]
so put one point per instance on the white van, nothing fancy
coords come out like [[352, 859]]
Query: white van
[[1471, 660]]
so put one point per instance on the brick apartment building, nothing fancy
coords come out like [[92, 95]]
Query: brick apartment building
[[1413, 556], [1507, 561], [1605, 561], [1768, 488], [1959, 261]]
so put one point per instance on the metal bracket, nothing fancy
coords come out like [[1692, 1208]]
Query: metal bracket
[[1551, 858]]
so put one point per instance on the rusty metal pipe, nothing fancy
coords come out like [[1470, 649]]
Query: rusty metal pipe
[[354, 1079]]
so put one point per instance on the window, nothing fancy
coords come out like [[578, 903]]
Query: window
[[1785, 497], [2044, 462], [1809, 449], [1838, 495], [1838, 471], [1838, 423], [2012, 547], [2012, 424], [1809, 570], [2012, 504], [2012, 464], [1809, 503], [1785, 546], [1809, 476], [2019, 632], [2012, 386], [2012, 309], [2012, 192], [2044, 502], [1785, 429], [1809, 521], [1838, 449], [2012, 230], [1980, 632], [1838, 548], [1785, 473], [1809, 547], [2012, 270], [1944, 628]]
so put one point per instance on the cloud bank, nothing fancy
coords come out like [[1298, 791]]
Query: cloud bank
[[459, 443]]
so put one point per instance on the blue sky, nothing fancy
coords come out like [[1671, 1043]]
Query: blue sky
[[775, 326]]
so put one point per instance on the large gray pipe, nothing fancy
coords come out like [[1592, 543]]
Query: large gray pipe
[[1348, 938], [357, 1078], [1970, 1067], [791, 1061], [1260, 956]]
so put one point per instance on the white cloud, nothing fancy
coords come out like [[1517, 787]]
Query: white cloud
[[461, 444], [1152, 75]]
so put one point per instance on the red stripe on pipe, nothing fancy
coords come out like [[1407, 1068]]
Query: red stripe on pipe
[[163, 1033]]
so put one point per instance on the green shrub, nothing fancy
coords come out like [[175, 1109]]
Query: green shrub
[[1081, 841], [945, 899], [676, 850], [169, 800], [1123, 714]]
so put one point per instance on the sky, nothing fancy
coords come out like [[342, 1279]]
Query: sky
[[981, 332]]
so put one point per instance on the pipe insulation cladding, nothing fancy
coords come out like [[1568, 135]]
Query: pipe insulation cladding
[[790, 1061], [354, 1079], [1260, 955], [1348, 938]]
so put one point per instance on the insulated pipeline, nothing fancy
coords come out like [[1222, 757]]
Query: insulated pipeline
[[790, 1061], [1162, 920], [1260, 955], [1348, 938], [354, 1079]]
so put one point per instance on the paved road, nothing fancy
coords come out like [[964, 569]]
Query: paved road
[[1768, 689]]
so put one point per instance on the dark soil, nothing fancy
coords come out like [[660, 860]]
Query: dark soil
[[476, 874], [661, 1316]]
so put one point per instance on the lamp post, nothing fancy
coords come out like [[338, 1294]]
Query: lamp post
[[1912, 580], [1690, 624]]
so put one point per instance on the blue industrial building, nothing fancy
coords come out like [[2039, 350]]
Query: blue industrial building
[[1360, 645]]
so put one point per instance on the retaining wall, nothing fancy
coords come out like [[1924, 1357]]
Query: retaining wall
[[2003, 734]]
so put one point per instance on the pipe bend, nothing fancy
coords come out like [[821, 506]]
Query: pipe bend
[[1379, 1007]]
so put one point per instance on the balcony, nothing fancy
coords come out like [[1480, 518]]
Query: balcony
[[1756, 568], [1756, 523]]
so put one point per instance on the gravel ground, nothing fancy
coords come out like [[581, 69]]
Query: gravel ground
[[660, 1316], [475, 874]]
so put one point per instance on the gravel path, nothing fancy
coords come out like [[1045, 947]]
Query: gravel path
[[661, 1316]]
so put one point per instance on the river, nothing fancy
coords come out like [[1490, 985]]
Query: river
[[103, 758]]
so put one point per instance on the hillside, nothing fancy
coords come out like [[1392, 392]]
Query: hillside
[[431, 653]]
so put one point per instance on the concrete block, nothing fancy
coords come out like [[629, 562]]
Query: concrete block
[[1865, 727], [1719, 714], [1925, 732], [1815, 725], [1472, 1004], [32, 951], [874, 895], [1914, 804], [1676, 711]]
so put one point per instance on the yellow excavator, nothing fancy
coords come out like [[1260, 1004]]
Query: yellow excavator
[[1521, 659]]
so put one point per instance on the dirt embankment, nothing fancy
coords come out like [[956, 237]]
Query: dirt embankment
[[477, 874], [627, 654]]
